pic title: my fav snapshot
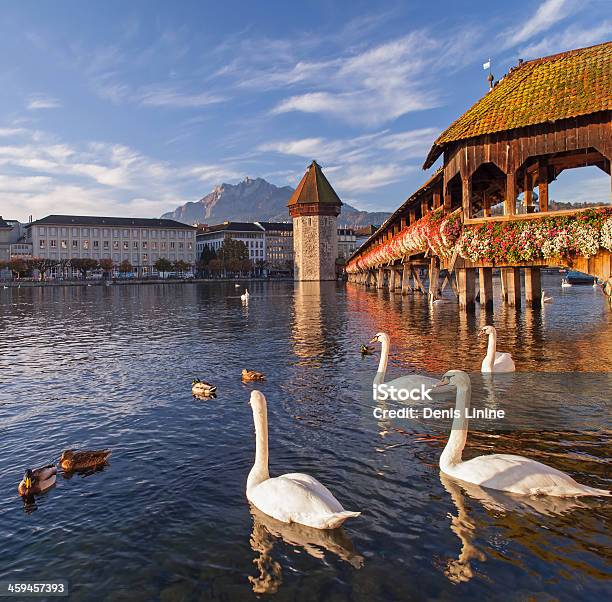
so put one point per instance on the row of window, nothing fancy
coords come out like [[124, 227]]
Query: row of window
[[116, 232], [63, 244], [134, 259]]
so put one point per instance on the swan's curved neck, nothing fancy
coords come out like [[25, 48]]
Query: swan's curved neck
[[458, 435], [491, 347], [382, 364], [259, 473]]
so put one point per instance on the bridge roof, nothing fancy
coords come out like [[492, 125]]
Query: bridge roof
[[561, 86], [314, 188]]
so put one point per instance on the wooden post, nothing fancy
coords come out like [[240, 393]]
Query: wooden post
[[543, 185], [466, 193], [513, 283], [405, 279], [504, 284], [437, 199], [528, 192], [391, 281], [485, 279], [417, 280], [424, 207], [510, 200], [466, 281], [486, 205], [412, 214], [434, 275], [402, 222], [533, 287], [380, 278], [448, 199]]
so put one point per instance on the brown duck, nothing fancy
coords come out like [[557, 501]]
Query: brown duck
[[251, 375], [37, 480], [79, 460]]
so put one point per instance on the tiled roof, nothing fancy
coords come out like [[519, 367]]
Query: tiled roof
[[314, 188], [232, 227], [90, 220], [276, 226], [569, 84]]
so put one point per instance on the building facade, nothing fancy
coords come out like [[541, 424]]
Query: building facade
[[250, 234], [140, 241], [314, 207], [5, 240], [279, 245], [347, 242]]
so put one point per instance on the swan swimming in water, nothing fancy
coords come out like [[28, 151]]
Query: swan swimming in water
[[245, 296], [546, 299], [565, 283], [410, 381], [495, 361], [290, 498], [505, 472]]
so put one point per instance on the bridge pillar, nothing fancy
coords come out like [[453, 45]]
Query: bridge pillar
[[398, 279], [391, 282], [513, 287], [405, 279], [533, 287], [503, 278], [380, 278], [485, 279], [466, 278]]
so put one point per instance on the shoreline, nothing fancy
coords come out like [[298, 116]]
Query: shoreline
[[132, 281]]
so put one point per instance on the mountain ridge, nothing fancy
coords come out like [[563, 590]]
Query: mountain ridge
[[256, 199]]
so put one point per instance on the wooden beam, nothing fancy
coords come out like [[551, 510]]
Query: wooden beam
[[528, 193], [466, 281], [513, 284], [379, 278], [485, 279], [437, 199], [466, 194], [510, 200], [417, 279], [543, 185], [533, 287], [434, 276], [405, 279]]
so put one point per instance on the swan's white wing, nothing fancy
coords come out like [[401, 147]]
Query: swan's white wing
[[503, 362], [517, 474], [299, 498]]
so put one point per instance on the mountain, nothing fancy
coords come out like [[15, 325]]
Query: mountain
[[256, 200]]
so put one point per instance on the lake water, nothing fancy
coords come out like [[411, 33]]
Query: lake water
[[168, 520]]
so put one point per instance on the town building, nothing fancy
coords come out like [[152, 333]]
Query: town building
[[141, 241], [278, 245], [252, 235], [5, 244], [347, 242], [314, 207]]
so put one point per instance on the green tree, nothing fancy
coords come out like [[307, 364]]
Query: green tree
[[207, 254], [163, 265], [232, 253], [63, 265], [18, 266], [215, 266], [180, 266]]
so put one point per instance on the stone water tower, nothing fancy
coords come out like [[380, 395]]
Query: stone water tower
[[314, 208]]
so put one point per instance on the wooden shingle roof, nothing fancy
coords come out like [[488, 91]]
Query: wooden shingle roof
[[569, 84], [314, 188]]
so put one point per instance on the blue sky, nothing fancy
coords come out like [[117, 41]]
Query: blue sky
[[132, 108]]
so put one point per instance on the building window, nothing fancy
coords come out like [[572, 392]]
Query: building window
[[95, 232], [53, 244], [105, 232], [154, 245], [126, 244], [163, 245], [135, 244], [153, 233], [96, 244], [145, 257], [115, 233], [85, 232], [181, 245], [64, 244], [106, 244], [134, 233], [41, 243], [190, 245], [75, 231], [144, 244], [126, 233], [75, 244], [115, 244], [86, 244], [172, 244]]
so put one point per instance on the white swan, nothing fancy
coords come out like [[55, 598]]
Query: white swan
[[495, 361], [410, 381], [506, 472], [290, 498], [245, 296], [546, 299], [565, 283]]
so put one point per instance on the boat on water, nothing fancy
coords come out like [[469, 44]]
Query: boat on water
[[574, 277]]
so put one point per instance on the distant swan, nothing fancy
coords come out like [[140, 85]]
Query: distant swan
[[410, 381], [546, 299], [495, 361], [245, 296], [290, 498], [565, 283], [505, 472]]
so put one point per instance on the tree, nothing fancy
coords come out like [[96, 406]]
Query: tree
[[180, 266], [107, 266], [246, 265], [125, 267], [18, 266], [63, 265], [215, 266], [232, 253], [84, 265], [207, 254], [42, 265], [163, 265]]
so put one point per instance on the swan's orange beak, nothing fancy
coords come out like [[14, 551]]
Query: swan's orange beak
[[374, 340]]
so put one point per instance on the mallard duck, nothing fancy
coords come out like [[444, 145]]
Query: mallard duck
[[366, 350], [202, 388], [250, 375], [37, 480], [78, 460]]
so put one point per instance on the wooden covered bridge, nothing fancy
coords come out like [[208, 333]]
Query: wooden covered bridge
[[543, 117]]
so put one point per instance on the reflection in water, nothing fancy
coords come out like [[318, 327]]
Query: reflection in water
[[315, 542]]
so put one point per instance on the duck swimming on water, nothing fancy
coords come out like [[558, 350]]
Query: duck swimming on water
[[37, 480], [79, 460]]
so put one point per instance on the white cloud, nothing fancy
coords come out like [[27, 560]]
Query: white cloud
[[572, 37], [546, 16], [363, 178], [40, 101], [163, 96]]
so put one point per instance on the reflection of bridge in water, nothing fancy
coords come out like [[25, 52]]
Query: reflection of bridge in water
[[544, 117]]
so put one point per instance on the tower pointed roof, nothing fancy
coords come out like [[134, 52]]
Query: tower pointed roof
[[314, 188]]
